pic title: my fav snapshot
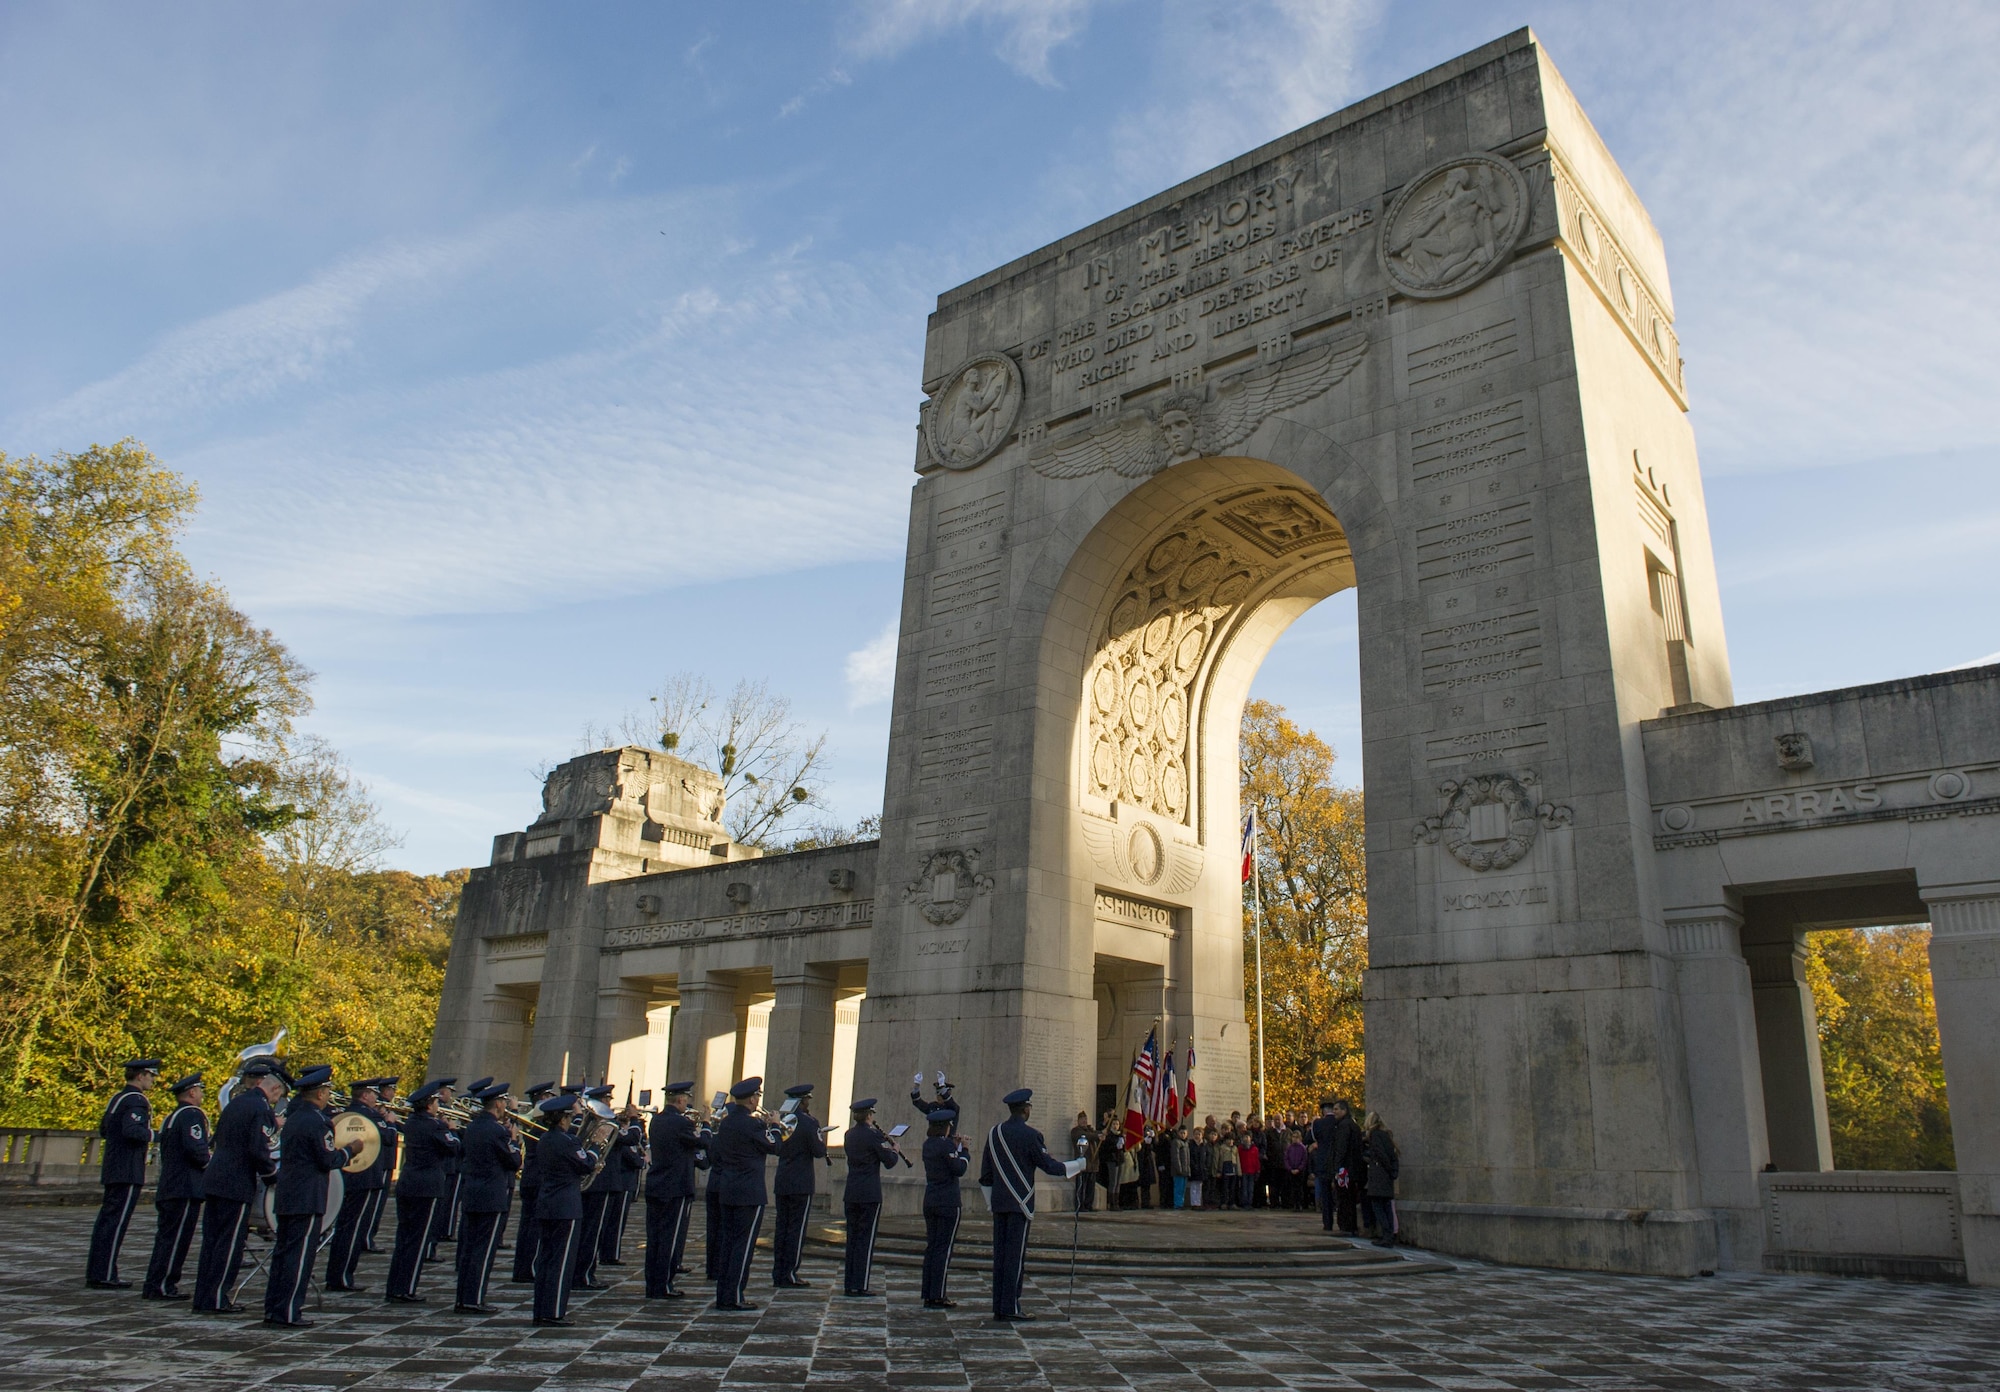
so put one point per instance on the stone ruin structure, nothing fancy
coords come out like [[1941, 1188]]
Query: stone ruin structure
[[1424, 347]]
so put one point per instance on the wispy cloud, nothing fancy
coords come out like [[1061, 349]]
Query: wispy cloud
[[1026, 32], [871, 670]]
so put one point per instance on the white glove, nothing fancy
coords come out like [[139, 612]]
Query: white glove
[[917, 1081], [1072, 1168], [942, 1084], [986, 1190]]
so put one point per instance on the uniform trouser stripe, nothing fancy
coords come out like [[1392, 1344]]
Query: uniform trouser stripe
[[944, 1275], [124, 1222], [868, 1253], [562, 1280], [680, 1238], [486, 1262], [799, 1246], [749, 1246], [1021, 1258], [308, 1246], [234, 1276]]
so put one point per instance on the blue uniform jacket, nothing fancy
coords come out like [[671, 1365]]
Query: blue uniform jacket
[[246, 1148], [127, 1129], [621, 1168], [737, 1155], [531, 1174], [376, 1176], [799, 1155], [676, 1143], [183, 1154], [487, 1165], [427, 1144], [867, 1150], [306, 1156], [1014, 1151], [561, 1162], [945, 1163]]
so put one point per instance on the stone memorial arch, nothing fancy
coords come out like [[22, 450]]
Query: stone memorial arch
[[1423, 348]]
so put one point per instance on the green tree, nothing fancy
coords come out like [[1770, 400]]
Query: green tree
[[1313, 873], [1879, 1051]]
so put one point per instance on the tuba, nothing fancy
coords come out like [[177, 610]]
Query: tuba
[[243, 1057]]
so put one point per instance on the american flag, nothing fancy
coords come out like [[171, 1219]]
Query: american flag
[[1249, 842], [1139, 1096]]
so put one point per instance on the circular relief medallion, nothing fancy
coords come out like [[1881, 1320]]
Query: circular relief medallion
[[1147, 856], [1489, 847], [1950, 786], [1677, 818], [973, 416], [1453, 225]]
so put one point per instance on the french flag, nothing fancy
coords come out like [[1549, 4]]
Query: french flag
[[1249, 843]]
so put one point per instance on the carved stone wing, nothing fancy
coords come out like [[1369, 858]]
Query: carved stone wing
[[1128, 445], [1245, 401]]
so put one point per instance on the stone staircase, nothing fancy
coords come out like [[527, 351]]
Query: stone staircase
[[1163, 1245]]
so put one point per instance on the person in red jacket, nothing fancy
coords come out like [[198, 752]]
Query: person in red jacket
[[1250, 1160]]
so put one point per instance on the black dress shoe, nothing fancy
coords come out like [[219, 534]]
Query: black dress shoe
[[565, 1323], [348, 1290], [793, 1285], [746, 1305], [372, 1248], [609, 1261], [1016, 1318], [406, 1299], [289, 1324], [111, 1285], [474, 1310], [520, 1281], [940, 1304], [858, 1293], [589, 1285]]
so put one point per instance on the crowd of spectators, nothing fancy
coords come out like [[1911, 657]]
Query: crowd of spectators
[[1283, 1161]]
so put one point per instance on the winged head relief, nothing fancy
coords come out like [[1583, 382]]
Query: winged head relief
[[1141, 441]]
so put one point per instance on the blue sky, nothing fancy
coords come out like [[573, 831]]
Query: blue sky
[[525, 353]]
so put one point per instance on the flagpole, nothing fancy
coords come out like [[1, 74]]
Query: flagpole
[[1257, 898]]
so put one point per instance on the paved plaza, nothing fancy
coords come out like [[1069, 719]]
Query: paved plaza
[[1472, 1327]]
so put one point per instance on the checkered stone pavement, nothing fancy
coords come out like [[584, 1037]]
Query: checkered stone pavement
[[1473, 1327]]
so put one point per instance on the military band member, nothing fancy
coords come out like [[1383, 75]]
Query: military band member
[[361, 1201], [177, 1197], [797, 1181], [563, 1163], [246, 1153], [597, 1191], [491, 1159], [867, 1151], [127, 1129], [676, 1142], [736, 1156], [945, 1161], [385, 1167], [1014, 1152], [307, 1156], [444, 1214], [421, 1189], [528, 1239], [629, 1158]]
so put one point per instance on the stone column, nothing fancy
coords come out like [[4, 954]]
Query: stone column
[[800, 1046], [621, 1015], [1719, 1023], [1965, 981], [704, 1040], [505, 1051], [1788, 1043]]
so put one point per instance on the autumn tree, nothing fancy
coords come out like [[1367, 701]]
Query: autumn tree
[[1879, 1051], [1312, 873]]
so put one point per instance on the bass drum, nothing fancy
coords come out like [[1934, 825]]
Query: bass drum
[[336, 1190]]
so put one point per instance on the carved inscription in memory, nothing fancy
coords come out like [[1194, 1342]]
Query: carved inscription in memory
[[1508, 744], [965, 588], [1476, 545], [1473, 442], [959, 670], [1467, 353], [956, 758], [1481, 652]]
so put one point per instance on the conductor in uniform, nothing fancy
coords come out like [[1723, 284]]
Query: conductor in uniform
[[527, 1240], [361, 1200], [127, 1129], [562, 1162], [422, 1188], [742, 1140], [177, 1198], [867, 1151], [1014, 1152], [491, 1157], [306, 1157], [676, 1143], [945, 1161], [246, 1151], [799, 1155]]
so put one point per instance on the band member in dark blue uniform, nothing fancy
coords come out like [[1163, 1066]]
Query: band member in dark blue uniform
[[361, 1200], [628, 1160], [945, 1161], [742, 1140], [599, 1191], [421, 1190], [527, 1240], [246, 1152], [177, 1197], [799, 1157], [127, 1129], [444, 1215], [867, 1151], [711, 1205], [306, 1157], [392, 1136], [1014, 1151], [491, 1159], [676, 1142], [558, 1208]]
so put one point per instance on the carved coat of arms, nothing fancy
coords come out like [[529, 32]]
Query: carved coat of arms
[[968, 421], [946, 884], [1453, 225], [1195, 424]]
